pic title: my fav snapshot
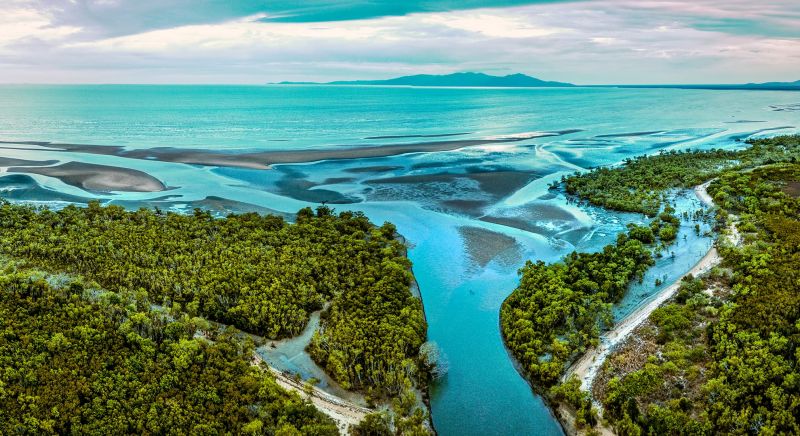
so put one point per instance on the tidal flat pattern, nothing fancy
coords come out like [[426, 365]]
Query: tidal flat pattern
[[464, 174]]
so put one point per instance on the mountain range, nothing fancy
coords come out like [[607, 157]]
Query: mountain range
[[468, 79], [452, 80]]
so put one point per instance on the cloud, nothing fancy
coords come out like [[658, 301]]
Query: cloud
[[773, 18], [493, 25], [123, 17], [605, 41], [18, 22]]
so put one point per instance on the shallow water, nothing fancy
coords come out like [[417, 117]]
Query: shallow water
[[497, 188]]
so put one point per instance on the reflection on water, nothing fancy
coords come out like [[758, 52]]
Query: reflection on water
[[472, 215]]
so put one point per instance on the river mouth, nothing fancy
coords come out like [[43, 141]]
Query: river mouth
[[472, 212]]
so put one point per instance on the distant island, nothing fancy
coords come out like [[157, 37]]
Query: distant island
[[481, 80], [451, 80], [768, 86]]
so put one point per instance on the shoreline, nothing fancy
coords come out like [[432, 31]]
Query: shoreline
[[564, 414], [588, 365], [343, 412], [346, 407], [424, 391], [552, 408]]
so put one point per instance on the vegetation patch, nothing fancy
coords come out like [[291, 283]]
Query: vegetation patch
[[653, 383], [641, 183], [727, 359], [558, 309], [257, 273], [79, 362], [706, 344]]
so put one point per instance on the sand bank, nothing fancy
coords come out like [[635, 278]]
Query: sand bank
[[373, 169], [12, 162], [263, 159], [440, 135], [97, 178], [22, 187], [484, 245]]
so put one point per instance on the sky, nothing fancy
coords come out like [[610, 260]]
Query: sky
[[260, 41]]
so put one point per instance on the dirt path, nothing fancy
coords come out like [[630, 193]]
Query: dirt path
[[587, 366], [345, 413]]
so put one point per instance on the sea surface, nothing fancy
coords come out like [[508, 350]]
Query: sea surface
[[473, 211]]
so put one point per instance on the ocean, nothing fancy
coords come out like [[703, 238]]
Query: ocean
[[463, 173]]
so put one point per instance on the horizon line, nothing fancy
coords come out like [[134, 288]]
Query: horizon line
[[335, 83]]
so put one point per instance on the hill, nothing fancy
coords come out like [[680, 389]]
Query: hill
[[451, 80], [774, 85]]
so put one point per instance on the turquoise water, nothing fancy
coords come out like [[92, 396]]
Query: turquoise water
[[473, 215]]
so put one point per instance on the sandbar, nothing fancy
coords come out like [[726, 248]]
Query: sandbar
[[485, 245], [12, 162], [97, 178], [263, 159]]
